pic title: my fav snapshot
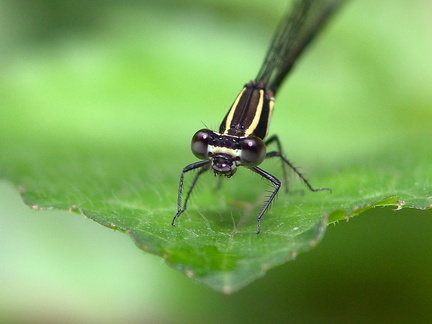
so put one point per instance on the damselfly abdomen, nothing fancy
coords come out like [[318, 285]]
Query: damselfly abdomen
[[241, 140]]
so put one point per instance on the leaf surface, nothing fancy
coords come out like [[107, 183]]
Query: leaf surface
[[104, 130]]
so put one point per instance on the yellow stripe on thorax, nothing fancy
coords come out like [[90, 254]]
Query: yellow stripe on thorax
[[257, 116]]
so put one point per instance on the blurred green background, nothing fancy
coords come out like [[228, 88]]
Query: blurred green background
[[99, 60]]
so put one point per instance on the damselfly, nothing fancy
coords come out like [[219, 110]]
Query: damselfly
[[241, 137]]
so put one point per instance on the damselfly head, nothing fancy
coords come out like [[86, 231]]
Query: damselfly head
[[222, 151], [227, 152]]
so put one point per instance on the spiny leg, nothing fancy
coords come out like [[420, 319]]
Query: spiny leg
[[275, 138], [284, 159], [277, 184], [204, 166]]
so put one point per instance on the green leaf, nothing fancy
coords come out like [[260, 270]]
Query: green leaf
[[100, 125]]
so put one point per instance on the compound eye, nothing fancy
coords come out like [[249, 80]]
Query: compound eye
[[199, 144], [253, 151]]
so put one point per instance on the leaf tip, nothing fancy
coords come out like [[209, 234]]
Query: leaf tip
[[227, 290]]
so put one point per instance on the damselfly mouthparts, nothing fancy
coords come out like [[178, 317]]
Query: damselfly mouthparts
[[241, 137]]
